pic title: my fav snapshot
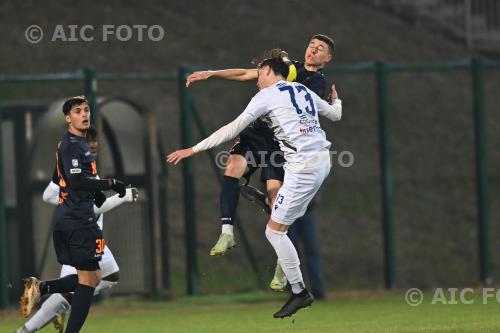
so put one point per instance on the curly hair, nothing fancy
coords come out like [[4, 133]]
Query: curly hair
[[276, 59]]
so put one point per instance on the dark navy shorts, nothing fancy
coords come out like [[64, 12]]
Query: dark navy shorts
[[260, 151], [81, 248]]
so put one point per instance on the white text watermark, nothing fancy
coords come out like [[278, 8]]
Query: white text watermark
[[452, 296], [89, 33]]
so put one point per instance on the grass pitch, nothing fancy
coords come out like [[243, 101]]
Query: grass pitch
[[344, 312]]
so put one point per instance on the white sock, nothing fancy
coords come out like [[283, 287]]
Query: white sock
[[297, 287], [228, 229], [55, 304], [287, 255], [104, 285]]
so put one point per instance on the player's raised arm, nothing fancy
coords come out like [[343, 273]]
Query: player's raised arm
[[254, 110], [237, 74], [331, 111]]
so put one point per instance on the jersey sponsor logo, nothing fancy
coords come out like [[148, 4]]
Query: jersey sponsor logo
[[75, 171], [310, 129], [74, 162], [307, 122]]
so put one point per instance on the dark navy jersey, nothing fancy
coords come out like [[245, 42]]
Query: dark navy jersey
[[312, 80], [75, 208]]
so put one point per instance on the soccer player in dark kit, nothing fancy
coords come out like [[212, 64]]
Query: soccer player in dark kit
[[78, 240]]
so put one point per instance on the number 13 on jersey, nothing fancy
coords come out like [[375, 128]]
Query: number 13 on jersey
[[309, 108]]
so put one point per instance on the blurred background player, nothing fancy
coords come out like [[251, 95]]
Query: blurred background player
[[259, 138], [285, 107], [56, 306], [78, 240]]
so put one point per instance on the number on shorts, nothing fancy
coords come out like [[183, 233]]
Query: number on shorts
[[100, 245]]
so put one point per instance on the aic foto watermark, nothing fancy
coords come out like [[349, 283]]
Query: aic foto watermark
[[451, 296], [262, 159], [89, 33]]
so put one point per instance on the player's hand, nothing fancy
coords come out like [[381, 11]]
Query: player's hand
[[179, 155], [198, 76], [119, 187], [99, 198], [334, 93]]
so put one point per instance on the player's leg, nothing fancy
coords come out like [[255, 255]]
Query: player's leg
[[236, 167], [34, 288], [110, 276], [56, 304], [273, 175], [88, 278], [85, 258], [290, 263], [291, 203], [279, 281], [109, 271]]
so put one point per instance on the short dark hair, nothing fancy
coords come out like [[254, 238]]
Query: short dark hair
[[71, 102], [327, 40], [274, 59], [91, 135]]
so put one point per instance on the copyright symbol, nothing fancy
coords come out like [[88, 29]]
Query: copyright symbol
[[33, 34], [221, 159], [414, 297]]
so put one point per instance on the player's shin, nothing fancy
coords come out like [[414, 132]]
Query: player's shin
[[288, 258], [80, 306], [229, 197], [55, 304]]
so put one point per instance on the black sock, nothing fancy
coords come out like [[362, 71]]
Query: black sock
[[229, 196], [65, 284], [80, 305]]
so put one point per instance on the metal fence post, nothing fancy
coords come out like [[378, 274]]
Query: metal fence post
[[91, 89], [4, 292], [382, 73], [481, 171], [188, 186]]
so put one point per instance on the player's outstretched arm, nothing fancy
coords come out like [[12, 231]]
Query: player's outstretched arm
[[223, 134], [132, 195], [238, 74]]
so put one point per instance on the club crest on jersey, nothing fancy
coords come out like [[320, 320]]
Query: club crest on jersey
[[74, 162]]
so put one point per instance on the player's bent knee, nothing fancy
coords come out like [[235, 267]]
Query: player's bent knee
[[273, 186], [275, 226], [236, 166], [89, 278]]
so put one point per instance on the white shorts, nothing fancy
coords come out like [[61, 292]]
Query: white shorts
[[296, 193], [107, 264]]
